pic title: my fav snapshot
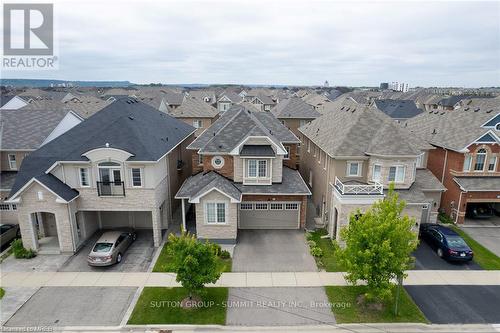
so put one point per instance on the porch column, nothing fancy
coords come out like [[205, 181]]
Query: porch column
[[183, 216], [156, 222]]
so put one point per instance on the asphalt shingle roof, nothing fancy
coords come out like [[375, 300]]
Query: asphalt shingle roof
[[398, 109], [295, 108], [194, 108], [472, 184], [126, 124], [257, 150]]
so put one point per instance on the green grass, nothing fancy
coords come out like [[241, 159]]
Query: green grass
[[164, 264], [482, 256], [158, 305], [346, 309], [329, 261], [2, 292]]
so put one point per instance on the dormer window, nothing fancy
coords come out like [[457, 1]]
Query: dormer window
[[480, 160]]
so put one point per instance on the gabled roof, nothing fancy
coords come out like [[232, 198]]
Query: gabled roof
[[194, 108], [237, 124], [232, 96], [398, 109], [356, 130], [25, 129], [455, 129], [472, 184], [173, 98], [264, 99], [126, 124], [294, 108]]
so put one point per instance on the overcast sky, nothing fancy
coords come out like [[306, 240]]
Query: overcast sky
[[278, 42]]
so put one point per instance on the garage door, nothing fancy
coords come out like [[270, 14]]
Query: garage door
[[264, 215]]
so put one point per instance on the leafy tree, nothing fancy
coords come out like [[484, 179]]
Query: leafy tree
[[194, 262], [378, 244]]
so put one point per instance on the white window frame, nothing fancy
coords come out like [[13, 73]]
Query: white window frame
[[12, 161], [200, 159], [319, 157], [310, 178], [257, 169], [246, 206], [467, 163], [140, 175], [215, 165], [291, 206], [4, 207], [485, 155], [277, 206], [308, 146], [197, 123], [287, 156], [396, 174], [420, 161], [216, 206], [494, 158], [87, 170], [261, 205], [380, 173], [360, 169]]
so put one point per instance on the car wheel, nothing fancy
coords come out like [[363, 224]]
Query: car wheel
[[440, 252], [134, 237], [119, 258]]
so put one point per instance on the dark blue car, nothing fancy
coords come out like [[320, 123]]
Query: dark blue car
[[446, 242]]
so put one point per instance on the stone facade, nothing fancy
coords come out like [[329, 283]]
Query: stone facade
[[227, 231]]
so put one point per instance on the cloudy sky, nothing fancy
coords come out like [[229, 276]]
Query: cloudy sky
[[278, 42]]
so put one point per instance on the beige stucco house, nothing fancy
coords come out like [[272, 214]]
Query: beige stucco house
[[119, 168]]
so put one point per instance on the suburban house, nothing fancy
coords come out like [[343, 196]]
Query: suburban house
[[196, 113], [352, 154], [12, 102], [207, 96], [397, 109], [21, 132], [261, 101], [466, 154], [245, 177], [228, 99], [120, 167]]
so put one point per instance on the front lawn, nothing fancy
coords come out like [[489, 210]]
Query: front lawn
[[329, 261], [346, 309], [482, 256], [159, 305], [163, 264]]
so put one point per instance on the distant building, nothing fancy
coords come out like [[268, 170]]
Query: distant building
[[326, 85], [384, 85], [399, 86]]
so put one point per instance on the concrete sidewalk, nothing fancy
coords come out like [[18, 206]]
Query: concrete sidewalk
[[249, 279]]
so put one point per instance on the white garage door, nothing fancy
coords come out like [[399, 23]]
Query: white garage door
[[269, 215]]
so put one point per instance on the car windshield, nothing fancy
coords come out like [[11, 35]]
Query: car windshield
[[102, 247], [4, 228], [455, 241]]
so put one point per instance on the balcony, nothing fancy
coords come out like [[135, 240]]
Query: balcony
[[111, 189], [353, 187]]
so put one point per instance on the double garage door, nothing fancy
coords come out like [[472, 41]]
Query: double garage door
[[269, 215]]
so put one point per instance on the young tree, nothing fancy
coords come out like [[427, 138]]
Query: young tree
[[194, 262], [378, 244]]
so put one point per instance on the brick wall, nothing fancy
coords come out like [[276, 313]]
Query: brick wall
[[227, 170]]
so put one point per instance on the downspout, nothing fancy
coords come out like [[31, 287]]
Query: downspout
[[444, 164], [458, 207], [71, 227]]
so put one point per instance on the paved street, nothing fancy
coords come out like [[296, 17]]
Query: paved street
[[67, 306], [278, 306], [272, 251], [458, 304]]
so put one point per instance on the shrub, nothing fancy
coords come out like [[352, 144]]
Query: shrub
[[20, 252], [311, 243], [216, 248], [316, 252], [224, 254], [445, 219], [309, 236]]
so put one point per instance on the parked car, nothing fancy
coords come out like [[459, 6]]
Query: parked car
[[8, 232], [446, 242], [110, 247], [480, 210]]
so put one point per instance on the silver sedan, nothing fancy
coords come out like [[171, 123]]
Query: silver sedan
[[110, 247]]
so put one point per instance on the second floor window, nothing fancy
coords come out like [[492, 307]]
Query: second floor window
[[197, 123], [492, 164], [353, 169], [136, 177], [287, 156], [397, 174], [84, 177], [377, 173], [256, 168], [480, 160], [467, 162], [12, 162], [110, 172]]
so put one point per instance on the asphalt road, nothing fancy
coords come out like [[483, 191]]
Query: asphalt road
[[458, 304], [426, 258]]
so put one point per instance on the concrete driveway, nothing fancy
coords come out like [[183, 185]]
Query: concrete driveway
[[278, 306], [74, 306], [137, 258], [488, 236], [458, 304], [426, 258], [272, 251]]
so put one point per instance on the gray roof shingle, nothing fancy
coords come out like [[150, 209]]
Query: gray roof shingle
[[257, 150], [294, 108], [194, 108], [471, 184], [398, 109]]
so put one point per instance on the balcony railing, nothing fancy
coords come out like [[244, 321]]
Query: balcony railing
[[358, 189], [110, 189]]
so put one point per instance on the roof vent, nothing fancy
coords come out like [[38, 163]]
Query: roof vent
[[476, 109], [466, 109], [130, 117], [107, 144], [489, 111], [342, 108], [442, 113], [434, 131]]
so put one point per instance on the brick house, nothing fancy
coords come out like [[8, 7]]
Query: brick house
[[467, 153], [196, 113], [245, 177], [120, 167], [351, 155]]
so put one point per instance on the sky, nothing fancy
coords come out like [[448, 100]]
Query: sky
[[270, 42]]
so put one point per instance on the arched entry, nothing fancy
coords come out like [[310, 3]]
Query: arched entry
[[45, 232]]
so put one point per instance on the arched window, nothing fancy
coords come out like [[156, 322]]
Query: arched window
[[480, 159]]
